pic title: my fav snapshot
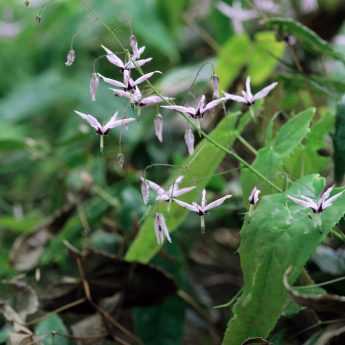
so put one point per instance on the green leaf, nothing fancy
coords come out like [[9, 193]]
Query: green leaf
[[265, 48], [197, 170], [270, 159], [276, 235], [46, 330], [231, 58], [307, 37], [308, 153], [339, 142]]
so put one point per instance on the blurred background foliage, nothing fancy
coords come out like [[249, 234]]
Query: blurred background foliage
[[48, 157]]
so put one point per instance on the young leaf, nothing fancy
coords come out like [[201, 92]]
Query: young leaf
[[270, 160], [279, 234]]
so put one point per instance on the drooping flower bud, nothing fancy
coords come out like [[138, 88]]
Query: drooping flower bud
[[161, 229], [70, 57], [215, 84], [145, 190], [189, 140], [254, 196], [94, 82], [158, 123]]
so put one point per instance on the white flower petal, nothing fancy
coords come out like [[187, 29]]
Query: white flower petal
[[113, 58], [189, 207], [265, 91], [217, 202], [91, 120]]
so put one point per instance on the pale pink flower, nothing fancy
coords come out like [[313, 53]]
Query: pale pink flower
[[202, 208], [196, 112], [131, 64], [320, 205], [247, 95], [104, 129], [128, 83], [254, 196], [135, 97], [168, 194]]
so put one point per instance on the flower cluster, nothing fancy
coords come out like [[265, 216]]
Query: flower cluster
[[129, 87], [171, 194]]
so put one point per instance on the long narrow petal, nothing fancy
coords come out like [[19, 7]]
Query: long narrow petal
[[156, 187], [118, 123], [113, 58], [137, 63], [150, 100], [235, 98], [331, 200], [217, 202], [145, 77], [213, 104], [326, 194], [179, 192], [122, 93], [265, 91], [91, 120], [181, 109], [248, 88], [201, 103], [189, 207], [112, 82], [304, 203], [134, 45], [203, 198]]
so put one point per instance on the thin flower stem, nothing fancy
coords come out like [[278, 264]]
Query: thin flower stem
[[247, 145]]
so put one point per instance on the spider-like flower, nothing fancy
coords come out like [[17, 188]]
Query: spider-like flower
[[135, 97], [247, 95], [128, 83], [123, 65], [198, 111], [254, 196], [167, 194], [236, 14], [325, 200], [104, 129], [202, 208], [161, 229]]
